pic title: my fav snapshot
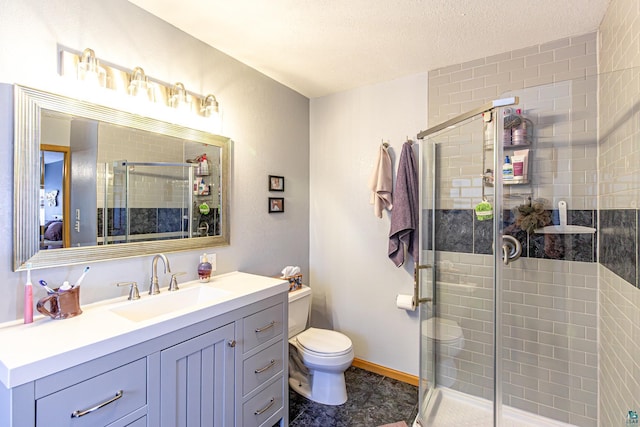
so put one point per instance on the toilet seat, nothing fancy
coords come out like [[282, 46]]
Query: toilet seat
[[323, 342], [447, 330]]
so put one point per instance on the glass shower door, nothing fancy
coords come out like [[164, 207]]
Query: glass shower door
[[458, 223], [455, 352], [164, 201]]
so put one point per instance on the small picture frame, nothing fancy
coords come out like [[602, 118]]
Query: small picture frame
[[276, 204], [276, 183]]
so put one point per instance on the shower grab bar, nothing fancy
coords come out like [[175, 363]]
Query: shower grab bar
[[464, 116], [416, 286]]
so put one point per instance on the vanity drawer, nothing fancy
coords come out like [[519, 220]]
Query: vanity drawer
[[262, 406], [262, 326], [56, 409], [261, 367]]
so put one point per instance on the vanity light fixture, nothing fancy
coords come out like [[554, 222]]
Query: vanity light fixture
[[202, 112], [89, 69], [209, 106], [179, 98], [210, 109], [139, 85]]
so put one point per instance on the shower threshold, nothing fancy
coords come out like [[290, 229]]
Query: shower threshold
[[453, 408]]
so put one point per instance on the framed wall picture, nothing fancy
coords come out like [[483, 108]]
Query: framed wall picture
[[276, 183], [276, 204]]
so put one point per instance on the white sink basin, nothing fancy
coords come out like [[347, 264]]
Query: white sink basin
[[158, 305]]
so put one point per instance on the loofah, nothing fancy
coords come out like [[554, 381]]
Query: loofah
[[484, 211], [530, 216]]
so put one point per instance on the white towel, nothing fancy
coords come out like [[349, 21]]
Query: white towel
[[290, 270], [381, 183]]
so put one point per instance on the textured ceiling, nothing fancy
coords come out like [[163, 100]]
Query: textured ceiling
[[319, 47]]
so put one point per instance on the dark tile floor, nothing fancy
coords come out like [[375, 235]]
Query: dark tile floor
[[373, 400]]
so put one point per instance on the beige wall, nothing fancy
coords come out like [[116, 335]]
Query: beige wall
[[619, 177]]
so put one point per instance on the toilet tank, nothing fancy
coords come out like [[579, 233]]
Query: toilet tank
[[299, 308]]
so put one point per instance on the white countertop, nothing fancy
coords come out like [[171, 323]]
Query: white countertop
[[46, 346]]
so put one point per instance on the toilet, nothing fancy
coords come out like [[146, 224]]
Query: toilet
[[317, 357], [448, 340]]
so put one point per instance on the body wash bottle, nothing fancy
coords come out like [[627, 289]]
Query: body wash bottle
[[507, 169]]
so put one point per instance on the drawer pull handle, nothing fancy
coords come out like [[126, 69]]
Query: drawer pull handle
[[261, 370], [78, 414], [264, 328], [266, 408], [231, 343]]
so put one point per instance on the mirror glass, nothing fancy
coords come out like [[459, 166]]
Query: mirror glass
[[98, 183]]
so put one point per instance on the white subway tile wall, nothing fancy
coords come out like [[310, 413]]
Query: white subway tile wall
[[149, 189], [619, 348], [549, 338], [550, 307], [564, 114], [619, 169]]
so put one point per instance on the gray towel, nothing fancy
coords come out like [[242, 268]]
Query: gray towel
[[404, 216]]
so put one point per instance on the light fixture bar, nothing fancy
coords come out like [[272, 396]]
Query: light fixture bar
[[73, 65]]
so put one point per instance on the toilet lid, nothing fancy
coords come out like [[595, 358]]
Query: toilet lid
[[324, 341], [448, 330]]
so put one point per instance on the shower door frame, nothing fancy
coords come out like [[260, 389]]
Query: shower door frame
[[190, 167], [423, 264]]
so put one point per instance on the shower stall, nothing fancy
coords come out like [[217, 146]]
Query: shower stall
[[508, 267], [147, 201]]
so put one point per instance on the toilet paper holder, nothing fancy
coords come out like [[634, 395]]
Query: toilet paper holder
[[416, 286]]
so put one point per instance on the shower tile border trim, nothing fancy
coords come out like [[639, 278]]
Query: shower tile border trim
[[618, 235]]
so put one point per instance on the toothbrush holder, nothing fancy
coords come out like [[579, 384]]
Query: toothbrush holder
[[62, 304]]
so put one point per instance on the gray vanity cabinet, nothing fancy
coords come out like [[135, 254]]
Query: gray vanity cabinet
[[196, 380], [261, 386], [227, 370]]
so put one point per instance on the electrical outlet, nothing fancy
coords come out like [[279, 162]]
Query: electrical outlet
[[212, 260]]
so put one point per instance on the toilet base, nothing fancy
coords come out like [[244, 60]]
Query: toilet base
[[326, 388]]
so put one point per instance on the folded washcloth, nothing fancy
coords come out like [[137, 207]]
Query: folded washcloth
[[381, 183]]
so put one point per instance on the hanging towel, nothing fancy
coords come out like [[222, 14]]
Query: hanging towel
[[404, 216], [381, 183]]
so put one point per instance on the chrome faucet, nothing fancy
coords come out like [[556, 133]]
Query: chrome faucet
[[154, 288]]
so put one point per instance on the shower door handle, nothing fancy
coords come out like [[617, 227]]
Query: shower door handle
[[416, 286], [511, 249]]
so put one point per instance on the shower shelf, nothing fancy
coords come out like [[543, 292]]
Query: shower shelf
[[516, 146], [509, 147], [490, 184], [488, 178], [564, 228]]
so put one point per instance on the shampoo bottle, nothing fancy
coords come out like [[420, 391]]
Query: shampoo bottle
[[204, 269]]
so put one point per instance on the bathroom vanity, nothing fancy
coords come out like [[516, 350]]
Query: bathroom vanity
[[215, 352]]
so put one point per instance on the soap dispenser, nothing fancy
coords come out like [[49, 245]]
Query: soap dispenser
[[204, 269]]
